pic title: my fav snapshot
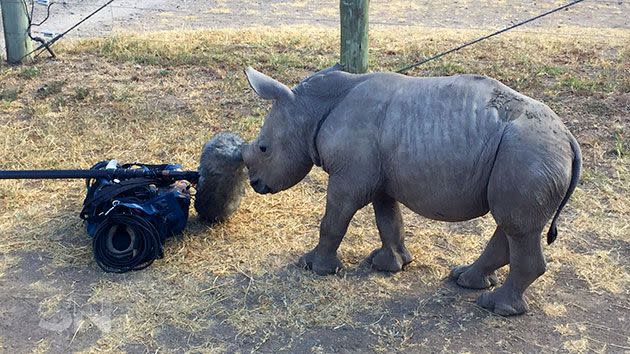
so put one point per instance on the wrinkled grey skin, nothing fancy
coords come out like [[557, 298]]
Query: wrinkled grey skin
[[222, 178], [448, 148]]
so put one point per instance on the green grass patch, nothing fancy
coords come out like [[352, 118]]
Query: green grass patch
[[29, 72], [9, 94], [81, 93], [50, 88], [621, 145], [551, 71]]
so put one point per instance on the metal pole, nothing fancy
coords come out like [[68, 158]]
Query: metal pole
[[16, 39], [354, 35]]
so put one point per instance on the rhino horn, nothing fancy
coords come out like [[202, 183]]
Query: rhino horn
[[266, 87]]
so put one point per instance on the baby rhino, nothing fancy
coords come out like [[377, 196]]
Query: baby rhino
[[449, 148]]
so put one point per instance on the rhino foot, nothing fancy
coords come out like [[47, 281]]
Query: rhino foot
[[468, 277], [320, 265], [389, 260], [502, 303]]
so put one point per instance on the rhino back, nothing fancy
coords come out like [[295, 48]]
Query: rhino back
[[429, 142]]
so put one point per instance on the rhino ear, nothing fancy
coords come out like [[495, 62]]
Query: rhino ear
[[266, 87]]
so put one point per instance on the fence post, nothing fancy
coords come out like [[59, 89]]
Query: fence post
[[354, 35], [15, 23]]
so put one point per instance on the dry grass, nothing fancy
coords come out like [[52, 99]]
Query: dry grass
[[159, 97]]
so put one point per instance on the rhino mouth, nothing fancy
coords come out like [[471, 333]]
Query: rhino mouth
[[260, 187]]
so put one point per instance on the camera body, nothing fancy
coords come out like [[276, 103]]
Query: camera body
[[130, 219]]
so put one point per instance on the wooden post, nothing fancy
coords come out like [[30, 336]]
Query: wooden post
[[354, 35], [15, 23]]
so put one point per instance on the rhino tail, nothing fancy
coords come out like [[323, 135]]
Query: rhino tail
[[576, 168]]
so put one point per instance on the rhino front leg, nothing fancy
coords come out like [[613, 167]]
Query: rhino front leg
[[393, 254], [340, 208]]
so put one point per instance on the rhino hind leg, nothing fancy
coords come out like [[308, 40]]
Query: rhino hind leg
[[392, 256], [481, 274], [321, 264], [527, 263], [526, 186]]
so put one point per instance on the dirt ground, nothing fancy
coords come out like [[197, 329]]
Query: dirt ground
[[235, 287]]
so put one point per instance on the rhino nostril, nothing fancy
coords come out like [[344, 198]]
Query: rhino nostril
[[259, 187]]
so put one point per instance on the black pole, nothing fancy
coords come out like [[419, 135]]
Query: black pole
[[111, 174]]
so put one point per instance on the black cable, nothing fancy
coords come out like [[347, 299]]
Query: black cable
[[47, 14], [40, 40], [408, 67], [126, 242], [30, 18]]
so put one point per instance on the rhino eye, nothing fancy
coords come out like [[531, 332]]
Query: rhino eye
[[262, 148]]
